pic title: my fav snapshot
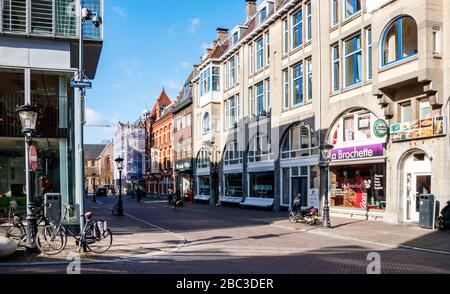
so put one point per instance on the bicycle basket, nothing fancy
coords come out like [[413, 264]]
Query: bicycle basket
[[100, 229]]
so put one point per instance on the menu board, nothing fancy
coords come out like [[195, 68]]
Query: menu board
[[418, 129]]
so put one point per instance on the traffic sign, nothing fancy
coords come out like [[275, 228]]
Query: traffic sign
[[82, 84], [33, 158]]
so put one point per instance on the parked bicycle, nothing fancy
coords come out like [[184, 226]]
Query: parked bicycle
[[17, 230], [95, 237]]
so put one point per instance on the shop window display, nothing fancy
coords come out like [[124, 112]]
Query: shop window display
[[233, 185], [204, 185], [358, 186], [262, 185]]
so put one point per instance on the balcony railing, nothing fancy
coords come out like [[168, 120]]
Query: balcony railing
[[52, 18]]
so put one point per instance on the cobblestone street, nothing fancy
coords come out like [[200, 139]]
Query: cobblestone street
[[153, 238]]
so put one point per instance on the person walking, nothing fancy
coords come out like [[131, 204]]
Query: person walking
[[138, 194]]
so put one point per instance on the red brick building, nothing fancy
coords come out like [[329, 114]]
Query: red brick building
[[159, 146]]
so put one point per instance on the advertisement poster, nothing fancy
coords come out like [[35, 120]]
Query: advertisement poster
[[313, 198], [418, 129]]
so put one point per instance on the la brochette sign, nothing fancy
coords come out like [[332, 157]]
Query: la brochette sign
[[358, 152]]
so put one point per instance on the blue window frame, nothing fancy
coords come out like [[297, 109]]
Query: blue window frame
[[259, 53], [351, 7], [260, 98], [235, 38], [206, 123], [399, 40], [297, 84], [352, 60], [297, 29], [336, 67]]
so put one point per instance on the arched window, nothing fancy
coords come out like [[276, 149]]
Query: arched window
[[300, 141], [260, 149], [232, 155], [203, 159], [399, 40], [206, 123]]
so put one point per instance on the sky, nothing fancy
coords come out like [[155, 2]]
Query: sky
[[148, 45]]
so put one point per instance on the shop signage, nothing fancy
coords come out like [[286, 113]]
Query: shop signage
[[381, 128], [82, 84], [418, 129], [358, 152], [183, 165], [378, 182]]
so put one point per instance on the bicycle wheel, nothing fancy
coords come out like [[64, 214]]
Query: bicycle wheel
[[293, 218], [16, 233], [51, 242], [98, 245]]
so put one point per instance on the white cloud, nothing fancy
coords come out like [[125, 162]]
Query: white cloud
[[172, 84], [186, 64], [96, 119], [118, 86], [131, 68], [205, 46], [172, 31], [194, 25], [120, 12]]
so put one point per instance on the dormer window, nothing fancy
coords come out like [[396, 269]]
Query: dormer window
[[235, 38], [262, 14]]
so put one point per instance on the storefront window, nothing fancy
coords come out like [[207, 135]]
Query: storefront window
[[232, 155], [358, 186], [204, 185], [47, 178], [262, 185], [233, 185]]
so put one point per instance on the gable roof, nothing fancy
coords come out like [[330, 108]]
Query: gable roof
[[163, 100], [93, 151]]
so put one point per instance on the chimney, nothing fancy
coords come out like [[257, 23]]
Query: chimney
[[251, 8], [222, 35]]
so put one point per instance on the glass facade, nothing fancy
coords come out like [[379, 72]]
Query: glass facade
[[49, 17], [49, 92]]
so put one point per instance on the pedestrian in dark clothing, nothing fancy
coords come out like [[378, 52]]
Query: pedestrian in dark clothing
[[138, 194]]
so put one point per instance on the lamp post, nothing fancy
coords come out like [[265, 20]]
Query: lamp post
[[84, 16], [119, 162], [325, 162], [28, 118], [94, 198]]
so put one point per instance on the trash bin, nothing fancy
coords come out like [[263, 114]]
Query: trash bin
[[427, 211], [53, 211]]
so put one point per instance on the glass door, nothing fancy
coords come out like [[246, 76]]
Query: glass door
[[422, 185], [300, 190]]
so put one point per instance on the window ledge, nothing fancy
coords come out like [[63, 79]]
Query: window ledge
[[351, 18], [398, 63], [295, 50], [352, 87]]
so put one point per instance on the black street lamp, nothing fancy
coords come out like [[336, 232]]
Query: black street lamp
[[326, 151], [94, 196], [28, 117], [119, 162]]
